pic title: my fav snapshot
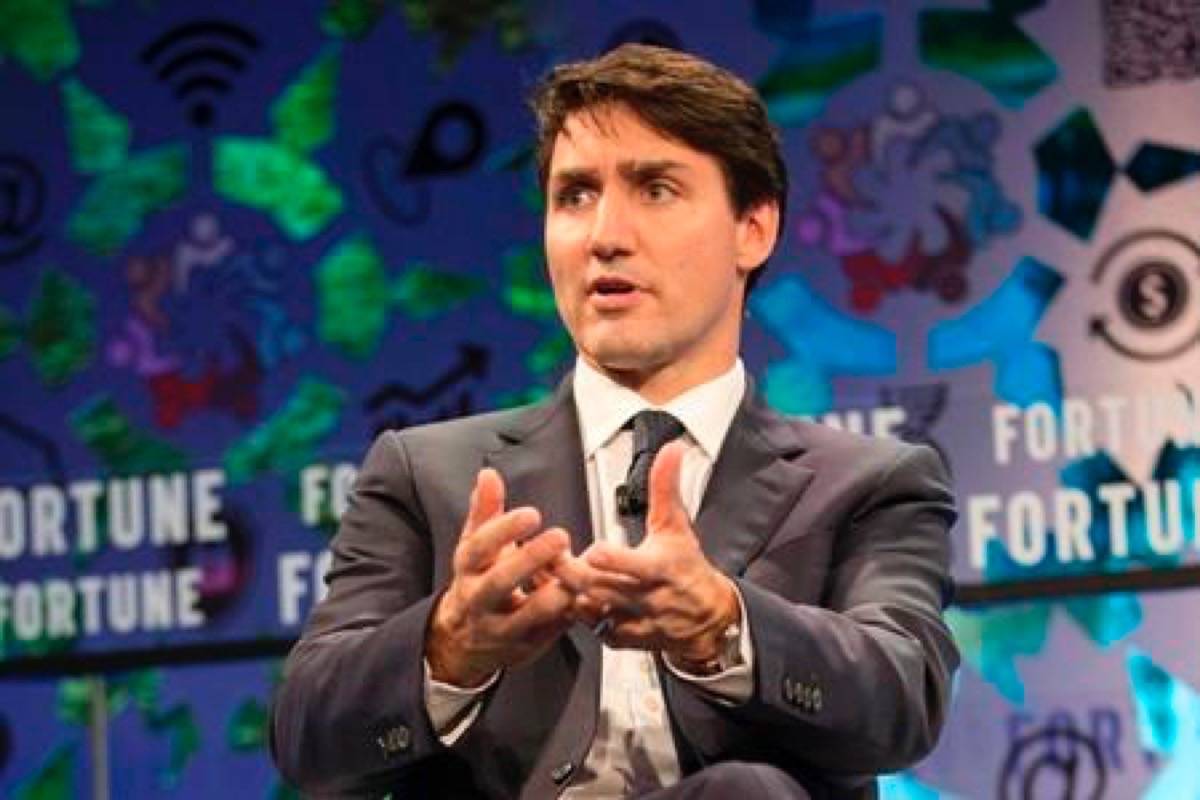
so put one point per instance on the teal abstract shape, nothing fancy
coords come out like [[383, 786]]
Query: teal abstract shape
[[906, 786], [1106, 619], [822, 342], [798, 386], [116, 205], [1075, 173], [1029, 374], [988, 48], [1167, 714], [992, 639], [1000, 329], [1154, 166], [813, 65]]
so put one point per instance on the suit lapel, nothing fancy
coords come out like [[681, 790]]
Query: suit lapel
[[541, 461], [754, 482]]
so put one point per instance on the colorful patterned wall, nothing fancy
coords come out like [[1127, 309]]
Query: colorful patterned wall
[[237, 240]]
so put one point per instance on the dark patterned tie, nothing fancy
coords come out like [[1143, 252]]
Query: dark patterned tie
[[651, 430]]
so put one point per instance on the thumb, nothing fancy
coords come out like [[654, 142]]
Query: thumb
[[487, 499], [666, 511]]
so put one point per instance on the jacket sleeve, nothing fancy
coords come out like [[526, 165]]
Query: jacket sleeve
[[349, 714], [858, 684]]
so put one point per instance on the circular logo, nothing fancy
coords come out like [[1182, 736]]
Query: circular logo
[[1148, 283], [1053, 762], [1153, 294]]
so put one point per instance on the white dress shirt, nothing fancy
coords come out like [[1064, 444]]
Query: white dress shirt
[[633, 750]]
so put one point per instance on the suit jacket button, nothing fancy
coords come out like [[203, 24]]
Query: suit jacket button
[[560, 773]]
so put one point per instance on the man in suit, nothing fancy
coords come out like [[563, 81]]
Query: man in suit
[[650, 585]]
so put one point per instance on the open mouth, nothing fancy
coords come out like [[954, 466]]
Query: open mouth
[[612, 286]]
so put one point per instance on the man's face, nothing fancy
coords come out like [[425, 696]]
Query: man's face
[[647, 258]]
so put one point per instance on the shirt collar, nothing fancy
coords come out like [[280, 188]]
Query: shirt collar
[[706, 411]]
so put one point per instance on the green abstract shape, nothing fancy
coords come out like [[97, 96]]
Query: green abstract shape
[[117, 203], [98, 135], [991, 640], [988, 48], [550, 353], [10, 332], [304, 115], [38, 34], [526, 292], [523, 397], [178, 724], [351, 19], [285, 443], [423, 292], [282, 791], [62, 328], [457, 24], [247, 729], [75, 698], [352, 297], [52, 781], [110, 435], [276, 179]]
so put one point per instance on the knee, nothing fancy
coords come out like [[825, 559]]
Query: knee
[[749, 779]]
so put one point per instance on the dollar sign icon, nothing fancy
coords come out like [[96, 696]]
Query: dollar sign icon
[[1153, 294]]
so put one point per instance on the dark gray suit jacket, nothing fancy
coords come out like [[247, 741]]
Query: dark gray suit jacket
[[839, 546]]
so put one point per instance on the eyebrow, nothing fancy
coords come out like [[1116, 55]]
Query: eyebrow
[[631, 171]]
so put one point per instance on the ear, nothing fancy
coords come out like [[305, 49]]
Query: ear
[[757, 231]]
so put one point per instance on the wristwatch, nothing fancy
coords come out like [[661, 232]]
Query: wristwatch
[[729, 653]]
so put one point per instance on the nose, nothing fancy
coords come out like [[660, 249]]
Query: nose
[[612, 234]]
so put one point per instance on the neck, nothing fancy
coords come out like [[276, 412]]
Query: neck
[[663, 384]]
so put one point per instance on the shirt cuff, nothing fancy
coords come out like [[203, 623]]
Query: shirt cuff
[[732, 686], [452, 709]]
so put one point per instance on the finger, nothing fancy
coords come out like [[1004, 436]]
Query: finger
[[666, 511], [478, 551], [487, 499], [518, 566], [627, 566], [547, 607], [633, 634], [573, 572], [614, 603]]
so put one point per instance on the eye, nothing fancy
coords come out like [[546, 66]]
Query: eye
[[659, 191], [574, 195]]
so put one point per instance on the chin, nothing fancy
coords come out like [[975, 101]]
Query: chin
[[627, 356]]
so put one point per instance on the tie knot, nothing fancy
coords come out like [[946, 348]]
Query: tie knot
[[652, 429]]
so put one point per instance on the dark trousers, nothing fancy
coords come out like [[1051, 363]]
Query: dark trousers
[[739, 780]]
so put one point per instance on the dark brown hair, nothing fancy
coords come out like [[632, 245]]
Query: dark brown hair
[[681, 97]]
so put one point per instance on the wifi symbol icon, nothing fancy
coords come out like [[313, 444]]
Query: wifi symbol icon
[[197, 60]]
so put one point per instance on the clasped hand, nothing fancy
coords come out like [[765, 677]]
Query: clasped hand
[[516, 588]]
